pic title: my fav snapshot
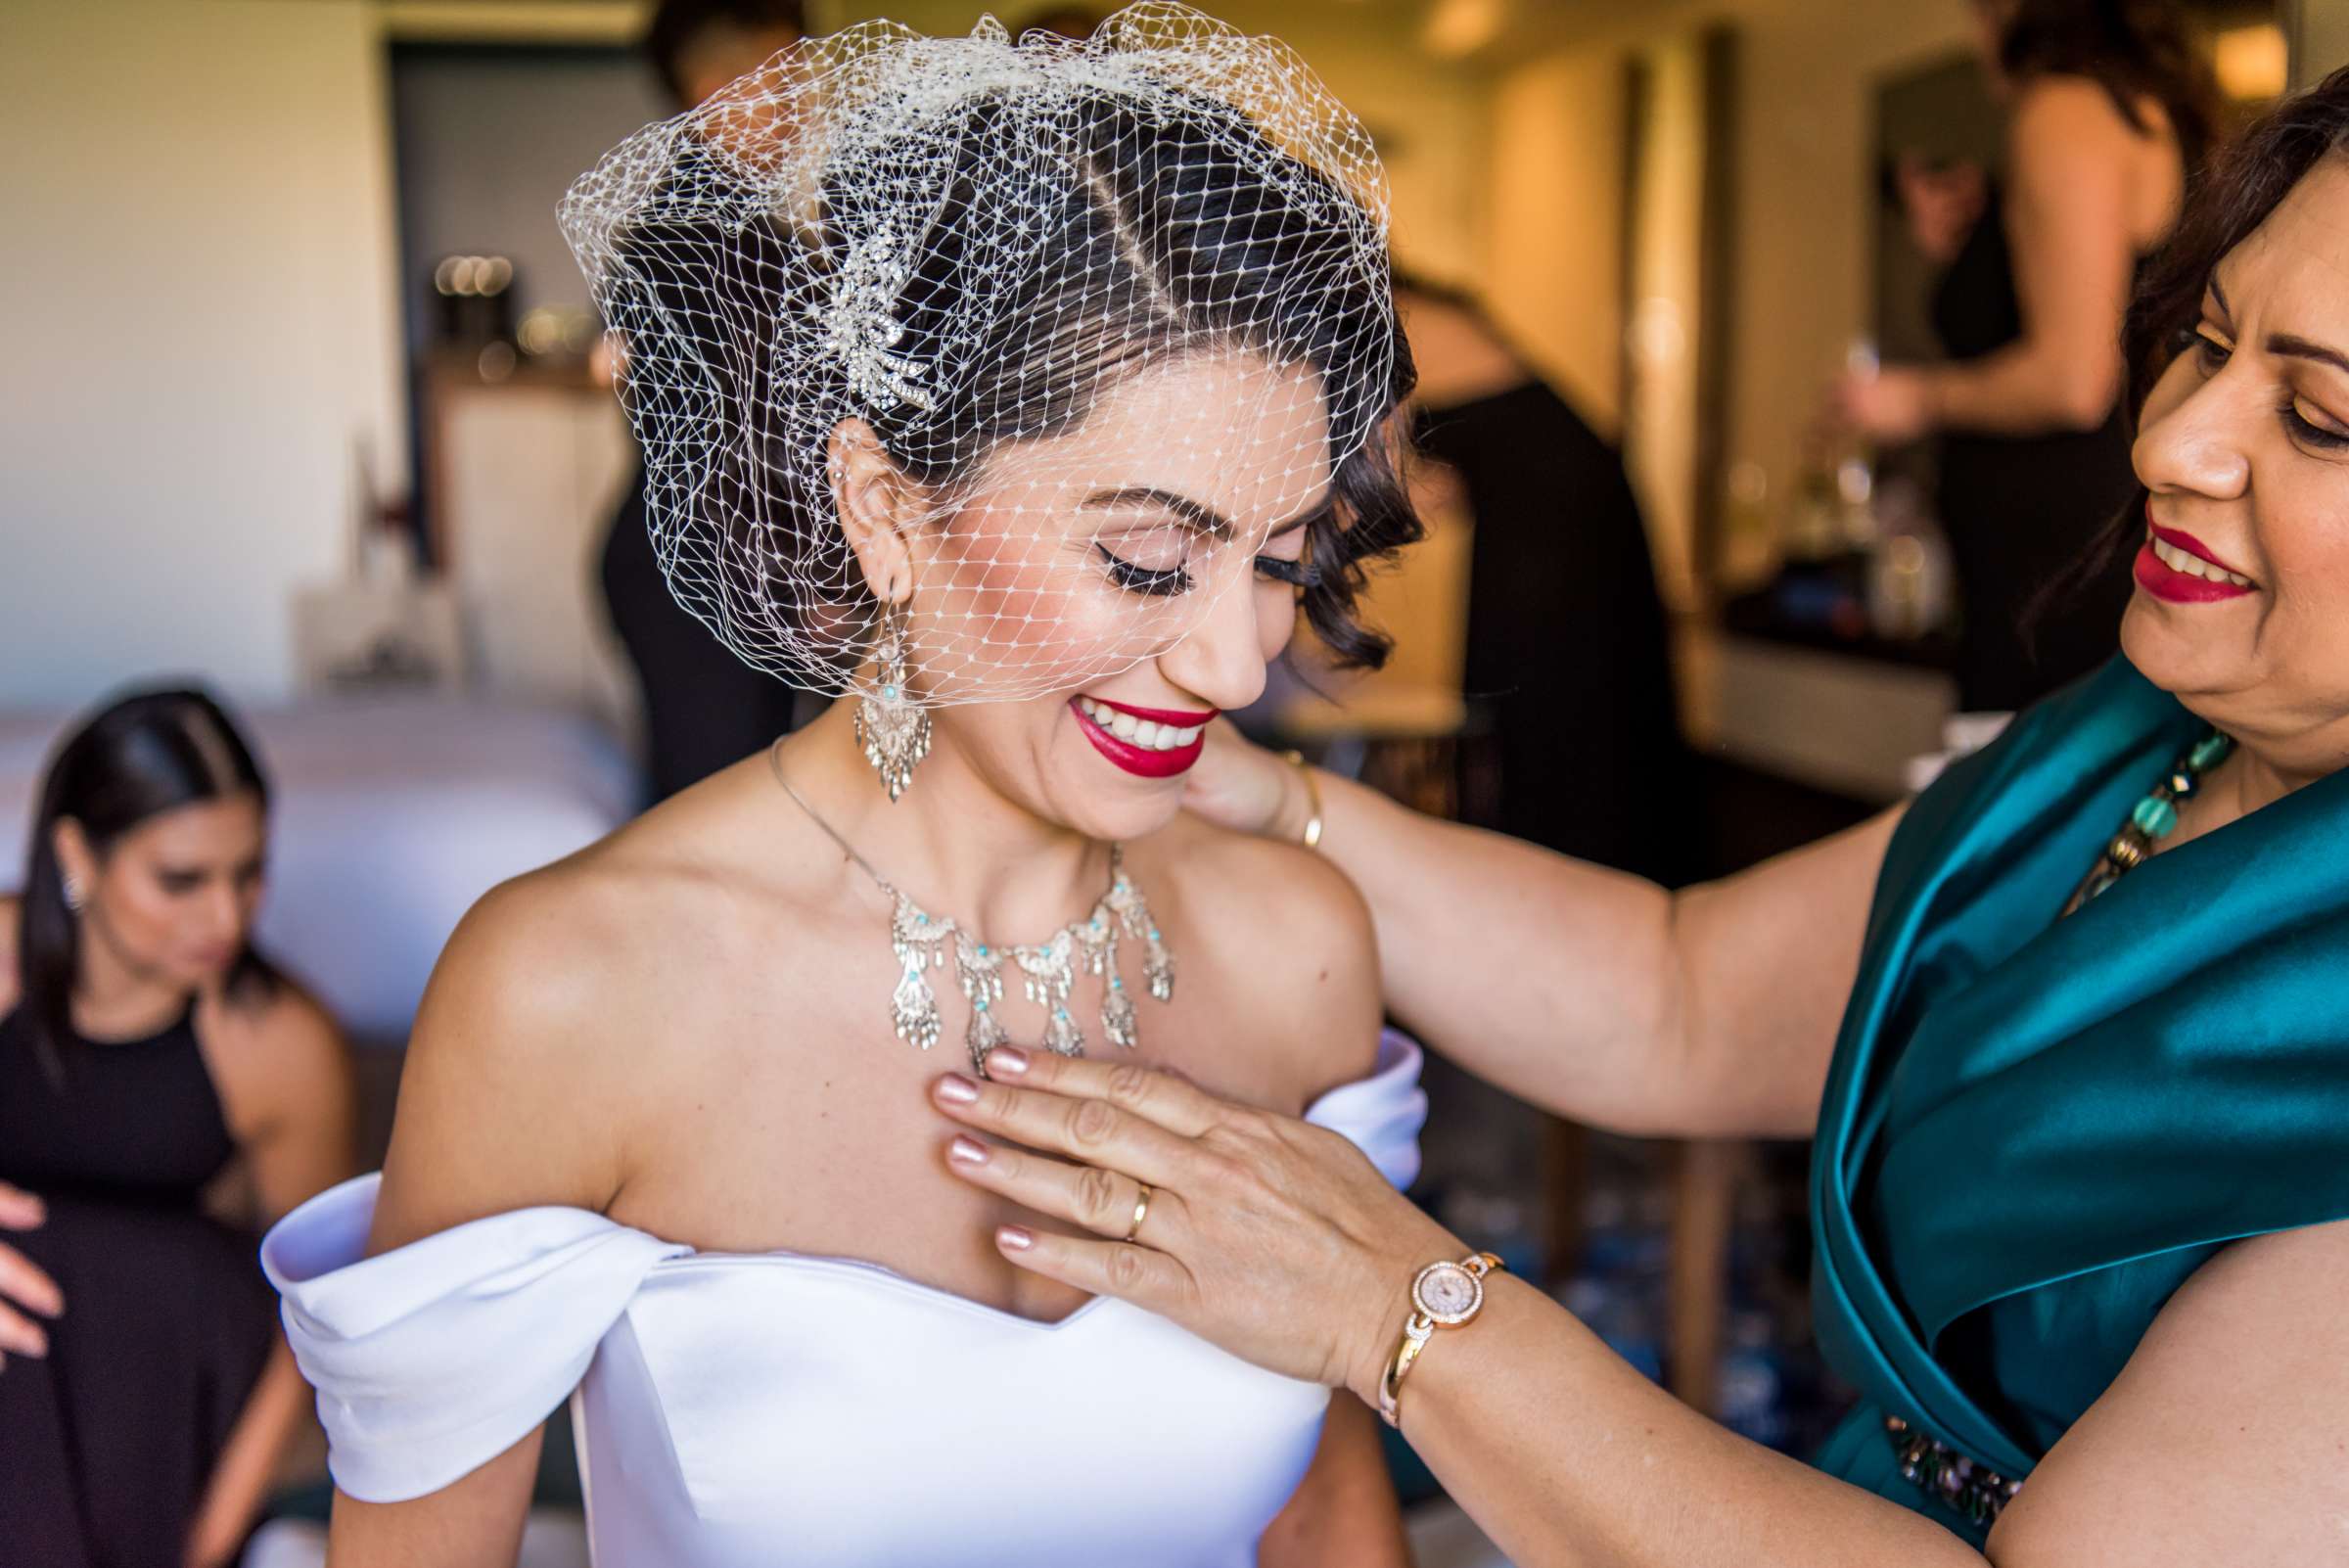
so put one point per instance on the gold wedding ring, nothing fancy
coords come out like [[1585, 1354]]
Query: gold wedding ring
[[1142, 1211]]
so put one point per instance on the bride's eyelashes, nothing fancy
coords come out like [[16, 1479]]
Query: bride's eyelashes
[[1296, 574], [1156, 582], [1169, 582]]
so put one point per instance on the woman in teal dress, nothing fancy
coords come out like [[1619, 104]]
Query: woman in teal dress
[[2071, 1033]]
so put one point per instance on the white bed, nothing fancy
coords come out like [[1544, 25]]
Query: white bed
[[392, 816]]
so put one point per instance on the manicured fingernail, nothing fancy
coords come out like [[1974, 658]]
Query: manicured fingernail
[[966, 1151], [1008, 1061], [1014, 1238], [956, 1089]]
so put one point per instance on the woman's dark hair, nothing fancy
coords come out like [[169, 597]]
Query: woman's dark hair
[[2134, 49], [1151, 247], [2246, 180], [139, 757]]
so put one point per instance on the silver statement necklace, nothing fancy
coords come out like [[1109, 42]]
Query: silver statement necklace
[[1048, 970]]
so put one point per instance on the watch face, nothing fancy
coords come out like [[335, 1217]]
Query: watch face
[[1448, 1293]]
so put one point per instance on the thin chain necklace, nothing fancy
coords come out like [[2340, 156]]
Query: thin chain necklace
[[1048, 970]]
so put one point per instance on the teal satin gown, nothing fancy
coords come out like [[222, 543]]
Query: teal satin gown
[[2035, 1129]]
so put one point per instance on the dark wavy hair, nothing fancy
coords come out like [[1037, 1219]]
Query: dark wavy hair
[[141, 755], [2245, 181], [1143, 211], [2134, 49]]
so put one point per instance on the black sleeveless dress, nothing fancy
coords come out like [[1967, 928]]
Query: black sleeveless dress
[[105, 1444], [2020, 510], [1567, 645]]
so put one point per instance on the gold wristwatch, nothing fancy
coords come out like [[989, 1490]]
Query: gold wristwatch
[[1445, 1295]]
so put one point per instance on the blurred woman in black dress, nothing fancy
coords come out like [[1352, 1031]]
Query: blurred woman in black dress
[[165, 1093], [703, 706], [1566, 638], [2110, 113]]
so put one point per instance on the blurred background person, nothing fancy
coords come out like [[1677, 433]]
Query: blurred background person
[[2111, 112], [1566, 646], [703, 708], [165, 1093]]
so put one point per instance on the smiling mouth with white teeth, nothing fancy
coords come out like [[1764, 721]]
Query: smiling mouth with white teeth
[[2192, 565], [1146, 733]]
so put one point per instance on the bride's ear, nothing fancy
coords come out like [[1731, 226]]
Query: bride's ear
[[879, 506]]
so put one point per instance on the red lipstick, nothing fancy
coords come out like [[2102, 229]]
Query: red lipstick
[[2166, 583], [1141, 761]]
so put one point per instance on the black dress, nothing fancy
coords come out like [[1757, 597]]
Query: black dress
[[2020, 510], [1566, 641], [703, 708], [105, 1445]]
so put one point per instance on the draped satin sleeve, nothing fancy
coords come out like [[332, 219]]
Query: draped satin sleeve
[[2036, 1129], [433, 1359]]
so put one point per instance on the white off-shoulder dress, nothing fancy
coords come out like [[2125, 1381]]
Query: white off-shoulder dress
[[734, 1409]]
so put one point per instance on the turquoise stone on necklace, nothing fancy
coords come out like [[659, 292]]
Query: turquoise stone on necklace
[[2153, 818]]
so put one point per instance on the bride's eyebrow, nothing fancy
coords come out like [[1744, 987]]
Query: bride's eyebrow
[[1198, 514]]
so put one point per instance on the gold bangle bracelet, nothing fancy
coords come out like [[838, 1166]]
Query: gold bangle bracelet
[[1445, 1295], [1312, 799]]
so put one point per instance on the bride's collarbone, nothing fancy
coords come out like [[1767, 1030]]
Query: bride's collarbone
[[814, 1133]]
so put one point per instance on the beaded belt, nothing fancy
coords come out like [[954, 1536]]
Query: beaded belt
[[1945, 1474]]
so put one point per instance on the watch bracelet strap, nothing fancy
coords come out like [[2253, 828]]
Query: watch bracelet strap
[[1415, 1335], [1312, 836]]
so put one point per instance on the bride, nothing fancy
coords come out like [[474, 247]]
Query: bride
[[1027, 391]]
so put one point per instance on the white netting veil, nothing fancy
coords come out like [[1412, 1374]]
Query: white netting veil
[[1023, 348]]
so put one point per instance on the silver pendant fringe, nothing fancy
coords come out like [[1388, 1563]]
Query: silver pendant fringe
[[1047, 973]]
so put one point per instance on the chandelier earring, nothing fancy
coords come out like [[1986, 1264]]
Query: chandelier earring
[[892, 726]]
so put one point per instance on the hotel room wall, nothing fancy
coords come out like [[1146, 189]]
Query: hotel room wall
[[2321, 30], [1553, 269], [199, 313]]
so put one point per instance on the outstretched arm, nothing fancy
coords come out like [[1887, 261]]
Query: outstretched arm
[[1597, 995], [2218, 1442], [2070, 230]]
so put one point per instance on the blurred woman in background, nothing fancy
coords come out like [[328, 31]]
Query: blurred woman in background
[[1567, 646], [703, 708], [163, 1094], [2111, 112]]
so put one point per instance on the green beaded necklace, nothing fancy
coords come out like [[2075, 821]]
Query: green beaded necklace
[[2152, 818]]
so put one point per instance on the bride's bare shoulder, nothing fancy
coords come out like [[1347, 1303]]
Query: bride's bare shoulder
[[1294, 925], [560, 997]]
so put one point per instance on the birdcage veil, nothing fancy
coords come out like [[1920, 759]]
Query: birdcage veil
[[984, 258]]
